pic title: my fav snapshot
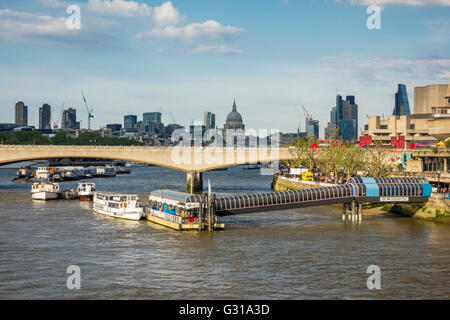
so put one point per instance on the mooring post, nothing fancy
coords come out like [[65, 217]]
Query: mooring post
[[360, 211], [209, 210], [353, 210], [200, 215]]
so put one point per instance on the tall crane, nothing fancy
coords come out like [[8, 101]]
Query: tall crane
[[56, 121], [172, 117], [308, 115], [90, 115]]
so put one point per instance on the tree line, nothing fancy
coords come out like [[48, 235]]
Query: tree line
[[340, 160], [35, 137]]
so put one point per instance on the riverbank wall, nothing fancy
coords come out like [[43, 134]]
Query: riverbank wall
[[436, 209]]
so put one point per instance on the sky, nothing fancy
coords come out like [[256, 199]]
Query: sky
[[184, 57]]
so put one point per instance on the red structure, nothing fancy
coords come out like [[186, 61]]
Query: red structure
[[365, 141], [398, 142], [325, 143]]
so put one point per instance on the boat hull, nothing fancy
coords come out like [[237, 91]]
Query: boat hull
[[44, 195], [86, 197], [135, 216]]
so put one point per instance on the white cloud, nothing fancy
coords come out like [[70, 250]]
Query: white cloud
[[385, 70], [443, 3], [167, 15], [212, 49], [18, 26], [210, 29], [120, 8], [443, 75]]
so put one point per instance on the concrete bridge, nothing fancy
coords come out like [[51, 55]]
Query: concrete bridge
[[193, 161]]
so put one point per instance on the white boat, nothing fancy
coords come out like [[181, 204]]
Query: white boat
[[124, 206], [44, 191], [44, 173], [135, 164], [106, 171], [86, 190]]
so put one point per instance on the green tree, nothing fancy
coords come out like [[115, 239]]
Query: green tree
[[304, 154], [378, 161]]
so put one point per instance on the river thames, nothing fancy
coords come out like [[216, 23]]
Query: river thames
[[307, 253]]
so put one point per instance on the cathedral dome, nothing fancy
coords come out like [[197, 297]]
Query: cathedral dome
[[234, 119], [234, 115]]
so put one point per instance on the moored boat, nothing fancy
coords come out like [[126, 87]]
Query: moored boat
[[86, 190], [178, 210], [45, 173], [124, 206], [25, 172], [44, 190]]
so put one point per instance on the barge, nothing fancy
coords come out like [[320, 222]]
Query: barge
[[180, 211]]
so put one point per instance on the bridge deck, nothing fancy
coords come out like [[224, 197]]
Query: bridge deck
[[361, 190]]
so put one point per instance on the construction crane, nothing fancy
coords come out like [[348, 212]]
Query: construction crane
[[308, 115], [55, 122], [172, 117], [90, 115]]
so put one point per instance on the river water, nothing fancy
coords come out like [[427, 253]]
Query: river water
[[307, 253]]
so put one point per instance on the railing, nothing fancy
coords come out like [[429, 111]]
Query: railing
[[165, 216]]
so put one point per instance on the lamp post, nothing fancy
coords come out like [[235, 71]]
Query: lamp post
[[439, 181]]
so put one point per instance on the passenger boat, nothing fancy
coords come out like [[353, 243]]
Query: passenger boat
[[178, 210], [44, 190], [106, 171], [86, 190], [125, 206], [25, 172], [44, 173]]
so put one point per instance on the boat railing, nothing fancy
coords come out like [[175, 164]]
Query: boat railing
[[165, 216]]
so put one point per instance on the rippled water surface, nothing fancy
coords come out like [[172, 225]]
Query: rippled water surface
[[291, 254]]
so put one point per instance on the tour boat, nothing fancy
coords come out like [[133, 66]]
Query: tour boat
[[125, 206], [86, 190], [25, 172], [44, 191], [44, 173], [106, 171]]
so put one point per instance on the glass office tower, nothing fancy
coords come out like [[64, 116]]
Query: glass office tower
[[401, 102]]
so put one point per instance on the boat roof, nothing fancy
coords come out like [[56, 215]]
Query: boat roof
[[109, 193], [176, 195]]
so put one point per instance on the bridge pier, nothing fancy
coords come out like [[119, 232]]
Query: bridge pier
[[194, 182], [352, 211]]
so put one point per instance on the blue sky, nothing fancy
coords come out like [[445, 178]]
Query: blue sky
[[185, 57]]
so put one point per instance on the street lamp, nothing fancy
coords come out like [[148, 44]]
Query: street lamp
[[439, 181]]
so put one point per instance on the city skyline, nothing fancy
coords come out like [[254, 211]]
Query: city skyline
[[128, 63]]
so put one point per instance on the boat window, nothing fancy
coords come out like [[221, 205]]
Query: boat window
[[133, 197]]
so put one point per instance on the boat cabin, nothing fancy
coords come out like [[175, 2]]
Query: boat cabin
[[175, 202], [114, 200]]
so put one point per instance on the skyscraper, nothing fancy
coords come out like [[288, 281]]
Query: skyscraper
[[209, 120], [69, 120], [152, 117], [152, 121], [21, 114], [312, 128], [401, 102], [129, 121], [45, 117], [344, 117]]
